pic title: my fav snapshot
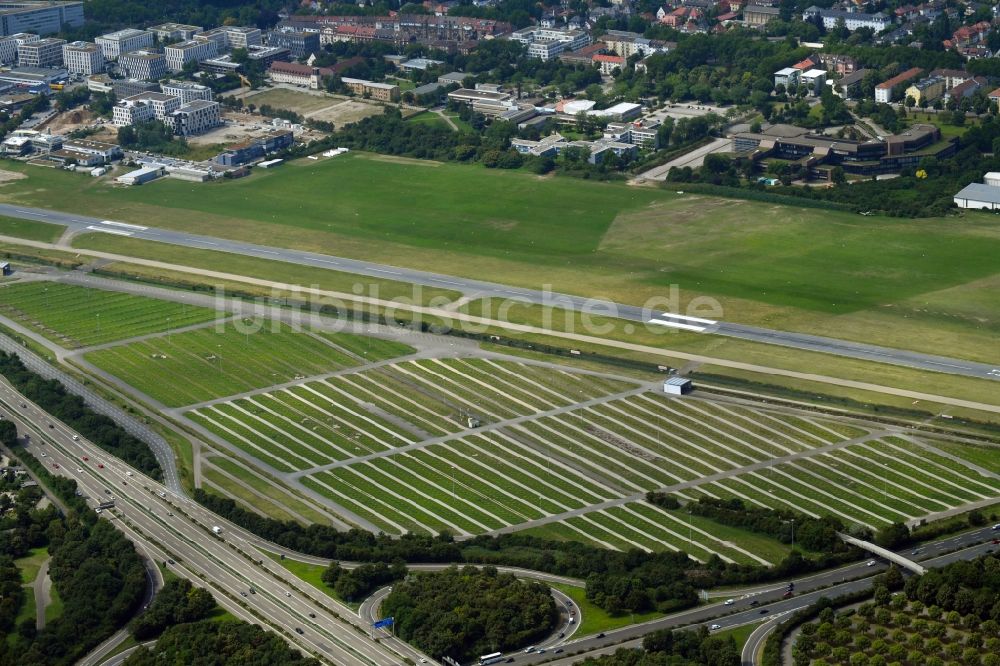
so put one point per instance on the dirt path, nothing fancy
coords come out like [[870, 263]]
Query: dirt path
[[43, 593]]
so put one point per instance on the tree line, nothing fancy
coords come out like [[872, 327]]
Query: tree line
[[464, 613], [94, 568], [358, 583], [53, 397], [816, 534], [220, 644], [619, 582], [675, 648]]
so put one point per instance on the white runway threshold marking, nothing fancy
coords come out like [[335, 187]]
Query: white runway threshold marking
[[134, 227], [686, 322], [105, 230]]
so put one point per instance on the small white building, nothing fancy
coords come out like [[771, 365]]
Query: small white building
[[140, 176], [677, 386], [979, 196]]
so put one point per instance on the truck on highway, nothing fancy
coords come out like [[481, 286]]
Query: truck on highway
[[216, 529]]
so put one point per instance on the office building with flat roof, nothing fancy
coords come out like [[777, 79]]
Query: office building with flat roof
[[143, 65], [83, 58], [46, 52], [116, 43], [44, 18]]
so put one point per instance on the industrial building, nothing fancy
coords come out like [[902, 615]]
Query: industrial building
[[43, 18], [230, 37], [141, 176], [981, 196]]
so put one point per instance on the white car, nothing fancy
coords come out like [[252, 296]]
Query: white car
[[715, 627], [43, 454], [76, 438], [871, 563], [79, 469], [128, 473], [730, 602]]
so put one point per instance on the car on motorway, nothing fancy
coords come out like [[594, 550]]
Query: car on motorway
[[55, 465], [253, 591], [765, 611], [915, 551], [788, 594], [715, 627], [600, 635], [79, 469], [312, 615], [510, 660], [43, 454], [996, 528], [299, 631], [242, 593], [755, 602], [128, 473], [76, 438], [559, 651], [529, 649], [995, 541], [730, 602], [85, 459], [51, 426], [288, 594], [100, 465], [871, 563]]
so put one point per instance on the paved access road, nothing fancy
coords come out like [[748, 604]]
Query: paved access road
[[243, 579], [479, 288]]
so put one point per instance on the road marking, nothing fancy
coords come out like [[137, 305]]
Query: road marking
[[116, 232], [675, 324], [382, 270], [124, 226], [698, 320], [207, 242]]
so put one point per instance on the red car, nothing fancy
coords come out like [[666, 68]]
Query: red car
[[996, 541], [100, 465], [85, 458], [56, 465]]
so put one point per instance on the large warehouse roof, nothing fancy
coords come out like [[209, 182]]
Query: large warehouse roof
[[980, 192]]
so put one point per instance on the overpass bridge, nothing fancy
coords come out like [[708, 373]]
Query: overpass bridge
[[885, 554]]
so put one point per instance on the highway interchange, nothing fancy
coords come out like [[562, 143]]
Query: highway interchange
[[483, 289], [176, 530]]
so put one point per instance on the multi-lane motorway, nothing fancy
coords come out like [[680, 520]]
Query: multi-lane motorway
[[173, 529], [249, 583], [480, 288]]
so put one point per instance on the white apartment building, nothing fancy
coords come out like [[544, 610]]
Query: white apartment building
[[178, 55], [8, 51], [143, 65], [187, 92], [230, 37], [196, 117], [83, 58], [114, 44], [547, 43], [132, 111], [175, 32], [41, 53]]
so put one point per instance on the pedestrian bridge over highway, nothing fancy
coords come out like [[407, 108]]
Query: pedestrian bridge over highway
[[884, 553]]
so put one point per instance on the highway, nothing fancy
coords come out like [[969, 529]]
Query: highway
[[255, 588], [483, 289], [178, 531]]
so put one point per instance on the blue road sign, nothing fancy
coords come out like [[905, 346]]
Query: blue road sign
[[386, 622]]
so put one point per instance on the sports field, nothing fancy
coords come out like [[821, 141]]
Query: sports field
[[921, 284], [75, 316]]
